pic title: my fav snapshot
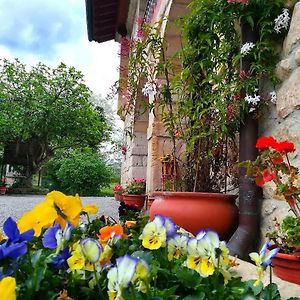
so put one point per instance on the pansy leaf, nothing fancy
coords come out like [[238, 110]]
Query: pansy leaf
[[188, 277], [39, 264], [146, 256], [255, 287], [275, 295], [200, 296]]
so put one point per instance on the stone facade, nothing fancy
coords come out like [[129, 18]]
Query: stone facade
[[150, 140], [283, 122]]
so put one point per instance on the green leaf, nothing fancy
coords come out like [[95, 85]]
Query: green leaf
[[275, 295]]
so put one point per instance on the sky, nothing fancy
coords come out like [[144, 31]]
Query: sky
[[55, 31]]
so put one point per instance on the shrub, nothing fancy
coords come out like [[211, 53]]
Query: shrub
[[84, 172]]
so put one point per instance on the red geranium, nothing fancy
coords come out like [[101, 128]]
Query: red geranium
[[285, 147], [265, 142]]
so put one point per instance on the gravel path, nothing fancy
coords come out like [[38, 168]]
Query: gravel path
[[15, 205]]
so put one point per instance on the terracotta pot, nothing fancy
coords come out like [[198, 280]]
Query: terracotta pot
[[196, 211], [136, 200], [2, 190], [287, 267], [150, 200], [118, 197]]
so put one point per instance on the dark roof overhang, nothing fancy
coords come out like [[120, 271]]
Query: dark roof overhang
[[106, 18]]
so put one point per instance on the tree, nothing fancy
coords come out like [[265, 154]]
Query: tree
[[44, 109]]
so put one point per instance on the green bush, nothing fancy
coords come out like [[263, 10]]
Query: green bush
[[84, 172]]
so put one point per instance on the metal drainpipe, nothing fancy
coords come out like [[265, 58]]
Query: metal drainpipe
[[246, 237]]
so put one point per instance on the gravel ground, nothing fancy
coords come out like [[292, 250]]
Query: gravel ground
[[15, 205]]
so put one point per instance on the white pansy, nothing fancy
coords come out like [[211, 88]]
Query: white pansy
[[149, 89], [120, 276], [282, 21], [273, 96], [246, 48]]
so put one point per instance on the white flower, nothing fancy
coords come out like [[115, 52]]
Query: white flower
[[149, 89], [273, 96], [254, 100], [246, 48], [282, 21]]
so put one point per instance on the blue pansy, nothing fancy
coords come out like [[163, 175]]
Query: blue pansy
[[11, 230], [59, 261], [15, 245], [55, 238]]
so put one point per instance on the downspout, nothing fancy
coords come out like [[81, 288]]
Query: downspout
[[246, 237]]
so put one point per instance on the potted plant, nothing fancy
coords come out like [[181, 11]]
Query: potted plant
[[118, 192], [134, 193], [273, 165], [205, 95], [3, 186]]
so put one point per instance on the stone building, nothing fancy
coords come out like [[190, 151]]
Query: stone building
[[112, 19]]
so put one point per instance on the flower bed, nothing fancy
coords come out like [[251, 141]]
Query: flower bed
[[49, 254]]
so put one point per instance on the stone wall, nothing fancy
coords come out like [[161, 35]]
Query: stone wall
[[283, 121]]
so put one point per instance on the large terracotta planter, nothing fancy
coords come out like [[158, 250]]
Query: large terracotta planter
[[196, 211], [286, 267], [136, 200], [150, 200]]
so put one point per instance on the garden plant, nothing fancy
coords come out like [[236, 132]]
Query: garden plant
[[51, 253]]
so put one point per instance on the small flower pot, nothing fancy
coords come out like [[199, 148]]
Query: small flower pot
[[287, 267], [2, 190], [118, 197], [135, 200]]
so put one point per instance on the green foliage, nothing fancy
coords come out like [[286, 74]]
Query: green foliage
[[136, 187], [58, 262], [83, 172], [50, 106]]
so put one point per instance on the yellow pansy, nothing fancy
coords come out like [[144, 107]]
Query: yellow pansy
[[177, 246], [153, 236], [76, 261], [8, 288], [130, 224], [58, 208], [67, 207], [203, 266], [141, 276], [41, 216], [202, 253], [106, 255], [90, 209]]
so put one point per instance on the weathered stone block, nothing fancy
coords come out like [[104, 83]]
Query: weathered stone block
[[284, 69], [288, 96], [297, 56], [293, 36]]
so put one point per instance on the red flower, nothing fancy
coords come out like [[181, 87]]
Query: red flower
[[267, 176], [244, 75], [265, 142], [277, 159], [118, 188], [259, 180], [285, 147]]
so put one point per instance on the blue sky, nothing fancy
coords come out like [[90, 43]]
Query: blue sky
[[54, 31]]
